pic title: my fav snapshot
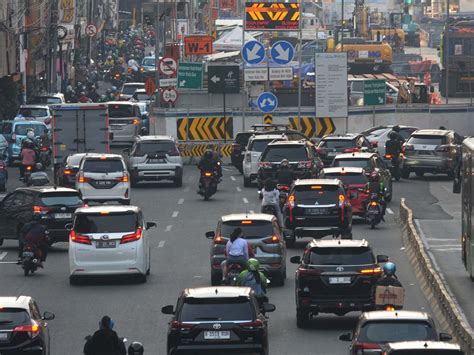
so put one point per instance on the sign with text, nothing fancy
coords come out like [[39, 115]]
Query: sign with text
[[256, 74], [198, 45], [190, 75], [374, 92], [271, 16], [281, 73], [331, 84], [223, 79]]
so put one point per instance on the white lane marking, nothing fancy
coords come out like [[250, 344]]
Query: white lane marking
[[445, 246], [161, 244], [3, 255], [175, 214], [226, 169], [252, 211], [245, 200], [389, 210], [440, 239], [446, 249], [181, 201], [232, 177], [447, 189], [168, 228], [238, 189], [186, 189]]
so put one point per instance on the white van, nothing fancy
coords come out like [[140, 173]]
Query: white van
[[124, 121]]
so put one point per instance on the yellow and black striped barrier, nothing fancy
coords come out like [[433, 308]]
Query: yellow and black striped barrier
[[197, 149], [312, 127], [268, 118], [205, 128]]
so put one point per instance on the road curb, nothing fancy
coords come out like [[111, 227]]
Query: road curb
[[445, 308]]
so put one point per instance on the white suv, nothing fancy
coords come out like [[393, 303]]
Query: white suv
[[109, 240], [254, 150], [103, 177]]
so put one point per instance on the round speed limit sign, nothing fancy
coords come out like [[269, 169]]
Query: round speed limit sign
[[170, 95]]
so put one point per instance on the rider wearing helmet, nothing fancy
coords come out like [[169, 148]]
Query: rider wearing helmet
[[389, 278], [285, 175], [105, 341], [208, 163], [136, 348], [28, 155], [253, 278], [34, 233], [375, 186], [393, 145]]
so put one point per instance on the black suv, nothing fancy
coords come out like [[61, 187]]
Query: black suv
[[335, 276], [241, 139], [302, 156], [218, 318], [316, 208], [332, 144], [23, 329], [56, 205]]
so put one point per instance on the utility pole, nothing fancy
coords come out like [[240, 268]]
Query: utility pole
[[55, 41], [342, 26], [300, 42], [446, 54]]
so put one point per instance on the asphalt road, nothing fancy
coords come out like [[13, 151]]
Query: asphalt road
[[181, 259]]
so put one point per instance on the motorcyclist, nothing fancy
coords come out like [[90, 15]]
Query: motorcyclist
[[208, 163], [30, 138], [136, 348], [393, 145], [396, 130], [389, 278], [271, 197], [236, 251], [36, 234], [376, 187], [105, 341], [93, 95], [253, 278], [217, 159], [28, 156], [285, 175], [83, 99]]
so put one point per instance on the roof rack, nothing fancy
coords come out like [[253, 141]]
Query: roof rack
[[269, 127]]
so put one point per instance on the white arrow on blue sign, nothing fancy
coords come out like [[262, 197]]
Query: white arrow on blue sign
[[282, 52], [253, 52], [267, 102]]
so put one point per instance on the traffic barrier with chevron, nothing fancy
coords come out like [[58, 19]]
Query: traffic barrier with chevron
[[268, 118], [198, 149], [205, 128], [312, 127], [272, 15]]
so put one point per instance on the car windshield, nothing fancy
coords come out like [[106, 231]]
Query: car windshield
[[11, 317], [149, 62], [348, 179], [340, 256], [22, 129], [33, 112], [142, 96], [393, 331], [155, 147], [250, 229], [102, 166], [46, 100], [105, 223], [378, 132], [74, 160], [130, 89], [259, 145], [276, 154], [317, 195], [335, 143], [60, 199], [427, 140], [216, 309], [352, 163], [121, 111]]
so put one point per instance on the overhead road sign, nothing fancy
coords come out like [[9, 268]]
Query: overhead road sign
[[205, 128], [167, 66], [271, 16], [198, 45], [267, 102], [169, 95], [281, 73], [150, 87], [223, 79], [256, 74], [312, 126], [190, 75], [374, 92], [168, 82], [253, 52], [282, 52]]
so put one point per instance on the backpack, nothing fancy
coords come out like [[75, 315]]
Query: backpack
[[249, 281]]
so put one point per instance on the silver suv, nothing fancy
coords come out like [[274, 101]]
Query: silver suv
[[154, 158], [430, 151]]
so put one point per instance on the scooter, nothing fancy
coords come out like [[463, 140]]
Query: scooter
[[284, 192], [36, 176], [373, 213], [208, 184], [394, 163], [233, 272], [30, 260]]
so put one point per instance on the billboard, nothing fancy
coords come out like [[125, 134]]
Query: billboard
[[272, 16]]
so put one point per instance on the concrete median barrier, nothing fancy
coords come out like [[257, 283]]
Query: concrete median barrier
[[445, 307]]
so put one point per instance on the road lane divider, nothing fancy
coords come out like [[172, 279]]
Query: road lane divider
[[161, 244], [445, 307], [175, 214], [3, 255], [168, 228], [180, 201], [389, 210], [245, 200], [232, 177], [238, 189]]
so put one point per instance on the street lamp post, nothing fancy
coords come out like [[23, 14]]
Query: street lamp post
[[446, 54], [342, 26]]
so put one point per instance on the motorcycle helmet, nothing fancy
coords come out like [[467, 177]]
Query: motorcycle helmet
[[106, 322], [389, 269], [208, 154], [39, 166], [396, 128], [114, 89], [253, 264], [30, 134], [374, 176], [136, 348], [392, 135], [284, 162]]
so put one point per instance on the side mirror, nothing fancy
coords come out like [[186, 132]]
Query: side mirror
[[167, 310], [345, 337], [68, 226], [382, 258], [150, 225], [268, 307], [445, 337], [48, 316], [210, 235], [126, 151], [295, 260]]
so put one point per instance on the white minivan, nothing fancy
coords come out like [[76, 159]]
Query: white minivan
[[124, 121], [109, 240]]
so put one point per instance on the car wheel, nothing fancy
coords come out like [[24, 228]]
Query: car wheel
[[302, 319], [216, 279], [419, 173], [178, 182], [247, 182], [405, 174], [125, 202], [73, 280]]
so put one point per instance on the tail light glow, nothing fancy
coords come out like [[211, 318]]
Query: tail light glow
[[208, 174], [81, 239], [40, 209], [274, 239], [128, 238], [256, 324], [67, 172], [373, 271], [33, 329], [178, 325], [219, 240]]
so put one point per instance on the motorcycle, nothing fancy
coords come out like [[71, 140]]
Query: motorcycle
[[123, 341], [393, 163], [208, 184], [30, 260], [36, 176], [117, 80], [27, 171], [373, 213], [44, 155], [284, 192], [233, 272]]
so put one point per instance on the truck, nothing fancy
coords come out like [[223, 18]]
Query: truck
[[79, 128], [457, 75]]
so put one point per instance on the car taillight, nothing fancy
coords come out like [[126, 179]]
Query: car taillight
[[40, 209], [128, 238], [178, 325], [360, 347], [33, 330], [274, 239], [235, 146], [13, 138], [265, 165], [219, 240], [442, 148], [308, 272], [372, 271], [81, 239], [304, 164], [256, 324], [67, 172], [124, 178], [407, 148], [351, 150], [388, 156], [291, 205]]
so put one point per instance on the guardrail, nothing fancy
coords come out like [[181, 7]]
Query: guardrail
[[193, 151], [446, 309]]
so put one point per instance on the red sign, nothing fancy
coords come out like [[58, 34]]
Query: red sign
[[150, 87], [198, 45], [167, 66], [228, 4], [169, 95]]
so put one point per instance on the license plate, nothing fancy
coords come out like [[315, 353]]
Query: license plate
[[213, 335], [373, 212], [339, 280], [115, 128], [154, 161], [3, 336], [104, 244], [103, 183], [62, 215], [316, 211], [27, 254]]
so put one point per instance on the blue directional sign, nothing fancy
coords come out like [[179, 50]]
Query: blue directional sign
[[282, 52], [253, 52], [267, 102]]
